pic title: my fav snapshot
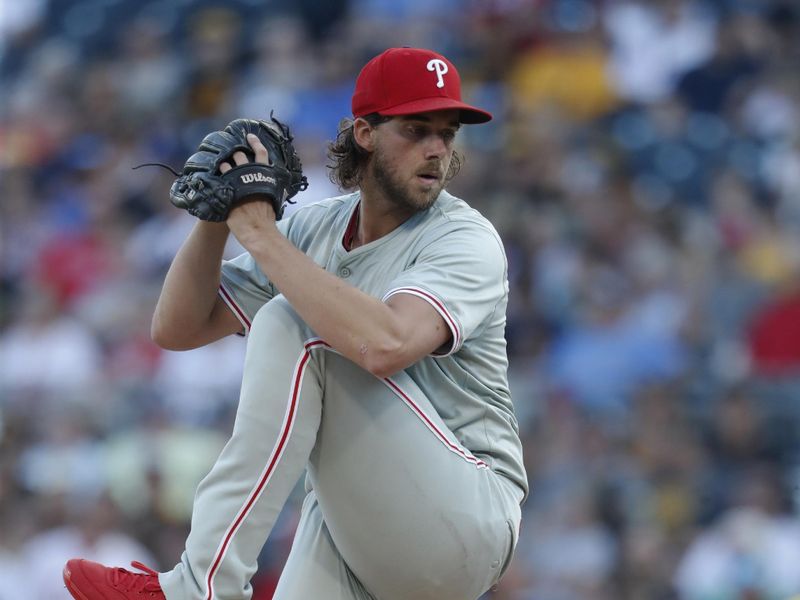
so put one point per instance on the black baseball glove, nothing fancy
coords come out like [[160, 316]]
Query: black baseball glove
[[208, 194]]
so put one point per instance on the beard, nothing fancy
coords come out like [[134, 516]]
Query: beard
[[401, 194]]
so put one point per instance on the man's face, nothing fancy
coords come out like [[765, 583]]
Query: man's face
[[412, 156]]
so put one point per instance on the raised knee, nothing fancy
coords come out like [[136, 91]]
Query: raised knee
[[277, 317]]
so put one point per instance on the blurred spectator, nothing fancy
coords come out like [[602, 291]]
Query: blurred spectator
[[47, 350], [567, 72], [751, 551], [198, 385], [214, 48], [710, 86], [91, 533], [18, 523], [155, 469], [615, 347], [283, 67], [774, 335], [17, 20], [654, 43], [150, 73]]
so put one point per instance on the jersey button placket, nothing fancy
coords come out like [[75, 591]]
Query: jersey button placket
[[344, 272]]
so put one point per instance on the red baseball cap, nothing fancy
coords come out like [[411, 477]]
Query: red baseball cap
[[404, 81]]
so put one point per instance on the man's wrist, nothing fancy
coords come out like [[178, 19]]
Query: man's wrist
[[219, 228], [261, 239]]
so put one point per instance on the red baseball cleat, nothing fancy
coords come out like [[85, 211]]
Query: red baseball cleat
[[87, 580]]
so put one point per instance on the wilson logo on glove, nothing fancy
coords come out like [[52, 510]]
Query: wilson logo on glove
[[257, 177]]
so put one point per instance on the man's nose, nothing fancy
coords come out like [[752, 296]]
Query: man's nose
[[435, 146]]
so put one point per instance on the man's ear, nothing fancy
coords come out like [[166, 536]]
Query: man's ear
[[364, 134]]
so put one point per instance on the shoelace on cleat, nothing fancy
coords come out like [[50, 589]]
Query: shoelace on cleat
[[135, 582]]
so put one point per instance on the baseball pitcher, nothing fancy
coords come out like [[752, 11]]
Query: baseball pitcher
[[376, 359]]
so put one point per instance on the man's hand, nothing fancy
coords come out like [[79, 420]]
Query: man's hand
[[252, 220]]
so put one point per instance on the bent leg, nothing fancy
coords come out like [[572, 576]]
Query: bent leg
[[315, 569], [275, 429], [413, 513]]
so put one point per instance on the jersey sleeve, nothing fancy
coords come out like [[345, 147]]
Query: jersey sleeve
[[463, 276], [244, 288]]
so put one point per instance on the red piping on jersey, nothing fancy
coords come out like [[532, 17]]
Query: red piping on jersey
[[454, 448], [437, 304], [275, 456], [234, 306]]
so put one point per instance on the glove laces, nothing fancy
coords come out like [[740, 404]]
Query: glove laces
[[162, 165], [135, 582]]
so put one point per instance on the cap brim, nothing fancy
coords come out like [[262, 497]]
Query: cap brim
[[468, 114]]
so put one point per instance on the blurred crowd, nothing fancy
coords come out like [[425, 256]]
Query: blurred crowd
[[643, 169]]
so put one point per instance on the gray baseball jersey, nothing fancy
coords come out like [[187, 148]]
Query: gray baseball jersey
[[414, 481], [451, 257]]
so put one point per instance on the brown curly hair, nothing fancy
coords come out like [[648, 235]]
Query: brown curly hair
[[348, 159]]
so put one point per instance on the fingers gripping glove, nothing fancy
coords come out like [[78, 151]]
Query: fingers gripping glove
[[209, 195]]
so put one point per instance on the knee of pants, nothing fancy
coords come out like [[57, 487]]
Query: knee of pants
[[278, 317]]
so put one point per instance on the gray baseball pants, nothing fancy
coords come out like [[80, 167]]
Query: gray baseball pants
[[399, 509]]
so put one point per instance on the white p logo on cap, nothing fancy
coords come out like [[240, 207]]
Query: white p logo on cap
[[440, 67]]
